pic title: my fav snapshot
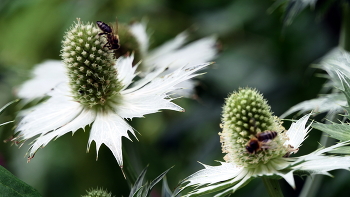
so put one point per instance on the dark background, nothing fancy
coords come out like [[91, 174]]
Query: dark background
[[257, 51]]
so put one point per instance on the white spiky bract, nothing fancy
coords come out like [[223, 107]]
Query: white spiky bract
[[174, 54], [228, 177], [60, 114], [46, 75]]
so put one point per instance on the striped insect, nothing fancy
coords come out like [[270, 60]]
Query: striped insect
[[260, 141]]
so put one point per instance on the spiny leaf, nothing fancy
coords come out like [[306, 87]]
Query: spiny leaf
[[141, 189], [337, 131], [138, 183]]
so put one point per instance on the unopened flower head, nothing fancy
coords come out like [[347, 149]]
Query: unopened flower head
[[91, 72], [246, 118]]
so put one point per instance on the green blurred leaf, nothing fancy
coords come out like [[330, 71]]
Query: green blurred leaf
[[11, 186], [337, 131], [292, 8]]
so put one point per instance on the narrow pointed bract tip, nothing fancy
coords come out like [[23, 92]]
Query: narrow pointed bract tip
[[30, 158], [121, 168]]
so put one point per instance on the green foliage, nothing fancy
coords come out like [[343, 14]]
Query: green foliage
[[337, 131], [293, 8], [11, 186], [255, 53], [143, 189]]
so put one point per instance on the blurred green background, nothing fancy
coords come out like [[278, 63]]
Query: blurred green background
[[257, 51]]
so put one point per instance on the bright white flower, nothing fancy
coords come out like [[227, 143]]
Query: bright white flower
[[158, 62], [241, 166], [100, 92], [174, 53]]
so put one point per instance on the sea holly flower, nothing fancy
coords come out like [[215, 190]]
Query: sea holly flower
[[133, 39], [250, 154], [99, 93]]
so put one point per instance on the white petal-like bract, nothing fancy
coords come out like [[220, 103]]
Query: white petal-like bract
[[153, 96], [298, 131], [108, 129], [45, 76]]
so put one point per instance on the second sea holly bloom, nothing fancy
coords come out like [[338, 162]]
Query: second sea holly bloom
[[97, 91], [246, 117]]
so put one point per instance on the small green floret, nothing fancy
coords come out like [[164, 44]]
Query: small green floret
[[245, 115], [97, 193]]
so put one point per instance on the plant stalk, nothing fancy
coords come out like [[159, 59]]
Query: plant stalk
[[344, 41], [272, 187]]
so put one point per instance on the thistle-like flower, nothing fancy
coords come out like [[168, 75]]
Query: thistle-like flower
[[99, 92], [257, 145], [133, 39]]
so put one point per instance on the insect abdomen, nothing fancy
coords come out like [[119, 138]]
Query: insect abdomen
[[266, 135], [104, 27]]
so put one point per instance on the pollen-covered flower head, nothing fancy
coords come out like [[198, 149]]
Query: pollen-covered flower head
[[98, 91], [250, 135]]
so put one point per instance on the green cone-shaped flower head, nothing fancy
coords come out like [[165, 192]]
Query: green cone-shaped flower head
[[90, 66], [251, 135]]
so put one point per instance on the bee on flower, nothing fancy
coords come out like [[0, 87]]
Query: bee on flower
[[132, 39], [257, 145], [93, 89]]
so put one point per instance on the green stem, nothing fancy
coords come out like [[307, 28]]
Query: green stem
[[272, 187], [344, 41]]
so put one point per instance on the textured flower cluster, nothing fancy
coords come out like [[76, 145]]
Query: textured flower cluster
[[246, 114], [90, 65]]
